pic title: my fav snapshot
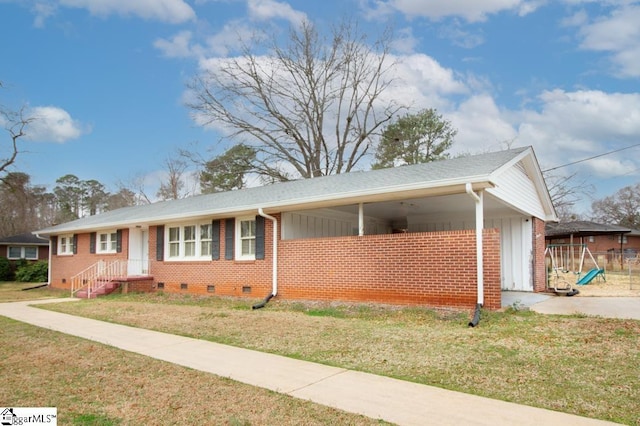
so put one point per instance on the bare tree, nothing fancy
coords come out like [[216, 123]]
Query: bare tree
[[15, 123], [174, 187], [621, 208], [565, 192], [311, 108], [134, 192]]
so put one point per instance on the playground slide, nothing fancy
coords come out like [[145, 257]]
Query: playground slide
[[589, 276]]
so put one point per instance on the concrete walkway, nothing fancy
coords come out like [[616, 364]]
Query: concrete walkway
[[378, 397], [606, 307]]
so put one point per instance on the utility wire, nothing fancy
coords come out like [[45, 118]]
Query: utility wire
[[590, 158]]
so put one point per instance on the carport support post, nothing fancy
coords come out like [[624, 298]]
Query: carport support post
[[478, 198]]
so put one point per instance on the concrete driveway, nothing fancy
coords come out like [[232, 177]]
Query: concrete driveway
[[607, 307]]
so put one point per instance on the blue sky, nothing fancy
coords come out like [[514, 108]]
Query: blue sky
[[106, 78]]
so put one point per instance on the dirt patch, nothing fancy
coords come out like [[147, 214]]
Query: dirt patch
[[613, 285]]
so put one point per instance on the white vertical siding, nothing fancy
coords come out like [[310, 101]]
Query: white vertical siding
[[516, 188], [327, 223], [515, 244]]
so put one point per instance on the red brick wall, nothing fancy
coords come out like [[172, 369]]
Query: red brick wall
[[63, 267], [228, 276], [434, 269], [539, 268]]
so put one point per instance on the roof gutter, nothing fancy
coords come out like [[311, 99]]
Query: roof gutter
[[478, 199], [274, 280]]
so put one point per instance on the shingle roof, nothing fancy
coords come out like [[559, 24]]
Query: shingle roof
[[582, 228], [24, 239], [472, 169]]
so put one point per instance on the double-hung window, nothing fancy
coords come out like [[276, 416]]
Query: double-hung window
[[174, 241], [65, 244], [205, 239], [107, 242], [189, 242], [246, 237]]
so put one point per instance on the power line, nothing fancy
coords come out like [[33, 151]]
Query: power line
[[590, 158]]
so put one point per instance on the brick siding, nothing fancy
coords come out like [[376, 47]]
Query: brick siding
[[434, 269], [65, 266], [539, 268]]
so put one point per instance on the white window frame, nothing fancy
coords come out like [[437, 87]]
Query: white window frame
[[239, 238], [23, 252], [65, 245], [111, 241], [206, 239], [622, 239], [181, 244]]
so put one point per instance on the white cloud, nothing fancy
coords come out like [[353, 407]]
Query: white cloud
[[460, 37], [570, 126], [405, 42], [179, 46], [230, 38], [469, 10], [43, 10], [53, 124], [423, 74], [264, 10], [481, 125], [172, 11], [606, 167], [619, 35]]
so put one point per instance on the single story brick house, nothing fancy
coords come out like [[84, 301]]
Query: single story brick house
[[610, 243], [451, 233], [24, 246]]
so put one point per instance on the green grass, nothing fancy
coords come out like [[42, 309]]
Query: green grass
[[93, 384], [576, 364], [15, 291]]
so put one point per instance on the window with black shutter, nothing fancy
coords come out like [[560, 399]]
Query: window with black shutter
[[260, 226], [229, 238], [160, 242], [215, 240]]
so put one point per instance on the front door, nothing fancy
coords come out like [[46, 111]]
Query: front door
[[138, 251]]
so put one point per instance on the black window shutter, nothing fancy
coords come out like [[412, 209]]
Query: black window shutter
[[75, 243], [260, 237], [215, 240], [54, 244], [160, 242], [119, 241], [92, 242], [229, 237]]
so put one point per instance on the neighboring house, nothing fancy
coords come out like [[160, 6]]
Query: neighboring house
[[24, 246], [606, 242], [405, 235]]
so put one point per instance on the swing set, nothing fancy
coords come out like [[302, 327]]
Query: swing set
[[562, 260]]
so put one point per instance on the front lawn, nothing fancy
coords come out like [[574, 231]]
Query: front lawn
[[581, 365]]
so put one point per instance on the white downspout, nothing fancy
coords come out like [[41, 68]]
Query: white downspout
[[360, 219], [274, 285], [49, 265], [478, 198]]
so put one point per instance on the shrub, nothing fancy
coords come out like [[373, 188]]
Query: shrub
[[33, 273], [6, 272]]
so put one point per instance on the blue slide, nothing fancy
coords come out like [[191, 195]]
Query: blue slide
[[589, 276]]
